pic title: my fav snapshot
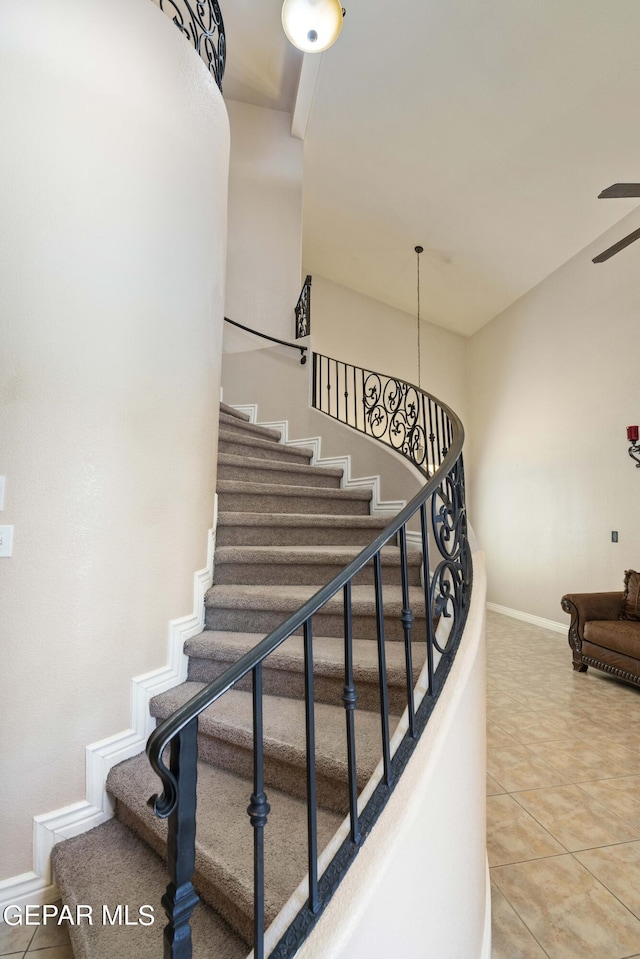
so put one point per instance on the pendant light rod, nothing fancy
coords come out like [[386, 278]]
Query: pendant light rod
[[418, 250]]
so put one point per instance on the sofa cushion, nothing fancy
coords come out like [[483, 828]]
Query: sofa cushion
[[623, 636], [631, 596]]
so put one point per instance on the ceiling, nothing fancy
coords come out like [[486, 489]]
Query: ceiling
[[482, 131]]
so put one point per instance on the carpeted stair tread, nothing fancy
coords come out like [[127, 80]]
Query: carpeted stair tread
[[328, 655], [276, 498], [230, 719], [224, 838], [109, 866], [289, 565], [232, 411], [272, 598], [231, 441], [232, 466], [237, 528], [234, 424]]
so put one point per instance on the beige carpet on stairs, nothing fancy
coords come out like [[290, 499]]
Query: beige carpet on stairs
[[285, 527]]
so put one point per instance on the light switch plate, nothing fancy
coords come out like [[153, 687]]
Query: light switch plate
[[6, 540]]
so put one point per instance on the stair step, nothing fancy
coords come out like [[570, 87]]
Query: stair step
[[302, 565], [232, 442], [232, 467], [232, 411], [238, 496], [224, 843], [262, 608], [110, 866], [225, 738], [212, 652], [234, 425], [293, 529]]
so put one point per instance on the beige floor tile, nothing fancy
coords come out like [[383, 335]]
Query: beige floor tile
[[576, 820], [578, 760], [53, 952], [493, 788], [497, 737], [517, 768], [510, 937], [514, 836], [621, 796], [50, 935], [567, 910], [15, 938], [535, 730], [617, 868]]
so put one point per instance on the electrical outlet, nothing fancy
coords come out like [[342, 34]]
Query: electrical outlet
[[6, 540], [614, 535]]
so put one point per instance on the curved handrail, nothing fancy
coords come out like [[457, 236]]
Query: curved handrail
[[274, 339], [446, 595]]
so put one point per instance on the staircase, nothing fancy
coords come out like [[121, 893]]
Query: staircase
[[285, 527]]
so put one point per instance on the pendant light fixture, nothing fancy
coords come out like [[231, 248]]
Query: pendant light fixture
[[312, 25], [420, 451]]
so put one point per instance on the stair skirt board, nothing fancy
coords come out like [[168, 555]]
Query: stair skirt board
[[37, 887]]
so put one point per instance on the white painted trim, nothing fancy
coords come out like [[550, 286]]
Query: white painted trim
[[529, 618], [37, 887]]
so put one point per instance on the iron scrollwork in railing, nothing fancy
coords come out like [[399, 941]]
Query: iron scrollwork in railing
[[202, 25], [434, 615], [303, 310]]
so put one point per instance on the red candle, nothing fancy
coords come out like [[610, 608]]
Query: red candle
[[632, 434]]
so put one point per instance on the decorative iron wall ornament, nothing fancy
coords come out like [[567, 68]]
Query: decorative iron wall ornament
[[634, 449], [303, 310], [202, 25]]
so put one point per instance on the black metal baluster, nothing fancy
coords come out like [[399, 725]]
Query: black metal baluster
[[350, 698], [406, 618], [432, 437], [180, 898], [444, 433], [438, 444], [314, 382], [364, 405], [355, 399], [258, 810], [320, 358], [329, 386], [382, 670], [346, 395], [312, 804], [428, 613]]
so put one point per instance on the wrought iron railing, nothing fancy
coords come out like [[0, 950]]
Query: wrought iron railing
[[201, 23], [273, 339], [303, 310], [440, 510]]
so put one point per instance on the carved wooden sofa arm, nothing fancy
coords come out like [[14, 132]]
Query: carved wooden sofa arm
[[584, 608]]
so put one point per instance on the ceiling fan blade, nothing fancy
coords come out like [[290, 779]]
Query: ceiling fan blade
[[620, 245], [619, 190]]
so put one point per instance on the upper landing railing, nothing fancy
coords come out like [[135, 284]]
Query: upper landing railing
[[202, 25], [430, 435]]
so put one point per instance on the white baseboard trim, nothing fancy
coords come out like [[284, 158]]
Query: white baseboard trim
[[37, 887], [379, 507], [529, 618], [485, 952]]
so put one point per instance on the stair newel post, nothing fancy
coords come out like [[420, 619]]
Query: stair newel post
[[312, 803], [428, 611], [180, 898], [349, 699], [258, 811], [382, 671], [406, 618]]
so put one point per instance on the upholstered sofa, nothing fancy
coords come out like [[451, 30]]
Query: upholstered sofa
[[605, 630]]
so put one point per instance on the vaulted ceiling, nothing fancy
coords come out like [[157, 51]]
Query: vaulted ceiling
[[483, 131]]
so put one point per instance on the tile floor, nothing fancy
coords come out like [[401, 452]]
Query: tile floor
[[563, 807], [563, 801]]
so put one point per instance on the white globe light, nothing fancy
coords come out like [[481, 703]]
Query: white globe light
[[312, 25]]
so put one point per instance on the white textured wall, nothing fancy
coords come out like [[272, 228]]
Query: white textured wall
[[265, 225], [113, 179], [352, 327], [553, 384]]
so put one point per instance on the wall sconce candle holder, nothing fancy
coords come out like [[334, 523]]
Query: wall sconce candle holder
[[633, 434]]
